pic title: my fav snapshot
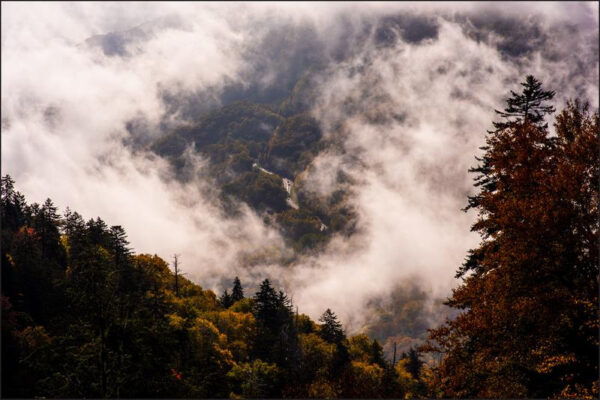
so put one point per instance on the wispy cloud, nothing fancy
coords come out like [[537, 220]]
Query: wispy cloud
[[407, 90]]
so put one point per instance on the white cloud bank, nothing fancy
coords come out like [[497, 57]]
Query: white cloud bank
[[65, 105]]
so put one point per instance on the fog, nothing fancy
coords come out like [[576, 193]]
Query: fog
[[406, 90]]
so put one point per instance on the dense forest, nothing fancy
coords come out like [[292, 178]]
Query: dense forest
[[84, 316], [259, 153]]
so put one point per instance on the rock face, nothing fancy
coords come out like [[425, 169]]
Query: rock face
[[288, 186]]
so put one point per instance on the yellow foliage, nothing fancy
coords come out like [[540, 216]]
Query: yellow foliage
[[176, 321], [360, 348], [10, 260], [367, 379], [323, 389], [64, 240], [408, 384], [551, 362], [243, 305], [33, 337], [317, 353], [237, 329]]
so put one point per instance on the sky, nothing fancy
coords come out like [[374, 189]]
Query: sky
[[407, 89]]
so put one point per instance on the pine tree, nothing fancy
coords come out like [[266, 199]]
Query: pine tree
[[331, 329], [119, 244], [266, 306], [46, 223], [529, 106], [276, 333], [237, 293], [74, 228], [225, 300], [176, 273], [376, 356], [97, 233], [414, 363], [12, 204]]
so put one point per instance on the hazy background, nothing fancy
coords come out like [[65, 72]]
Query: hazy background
[[407, 90]]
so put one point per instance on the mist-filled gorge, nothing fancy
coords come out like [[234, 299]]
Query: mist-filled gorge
[[349, 200]]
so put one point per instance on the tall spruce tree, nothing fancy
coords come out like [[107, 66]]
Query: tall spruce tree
[[331, 329], [414, 363], [225, 299], [237, 293], [530, 105]]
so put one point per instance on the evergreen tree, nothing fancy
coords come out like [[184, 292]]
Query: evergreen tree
[[47, 224], [97, 233], [528, 106], [276, 332], [13, 205], [119, 245], [74, 228], [331, 329], [267, 306], [414, 363], [225, 300], [237, 293], [376, 356]]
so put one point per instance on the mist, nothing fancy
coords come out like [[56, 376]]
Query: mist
[[406, 90]]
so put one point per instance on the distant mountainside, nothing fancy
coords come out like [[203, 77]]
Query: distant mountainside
[[257, 153], [260, 154]]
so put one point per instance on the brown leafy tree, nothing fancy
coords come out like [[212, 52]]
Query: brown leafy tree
[[530, 290]]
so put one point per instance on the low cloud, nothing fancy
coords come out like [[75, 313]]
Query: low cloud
[[406, 91]]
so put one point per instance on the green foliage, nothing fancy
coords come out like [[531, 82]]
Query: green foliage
[[239, 121], [245, 305], [401, 319], [254, 380], [293, 145], [236, 138], [117, 328], [301, 97], [259, 189], [302, 227]]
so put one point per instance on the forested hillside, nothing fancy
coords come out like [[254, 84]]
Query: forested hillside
[[257, 152], [83, 315]]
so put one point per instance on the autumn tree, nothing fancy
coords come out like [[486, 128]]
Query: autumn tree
[[255, 380], [528, 288], [83, 316]]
